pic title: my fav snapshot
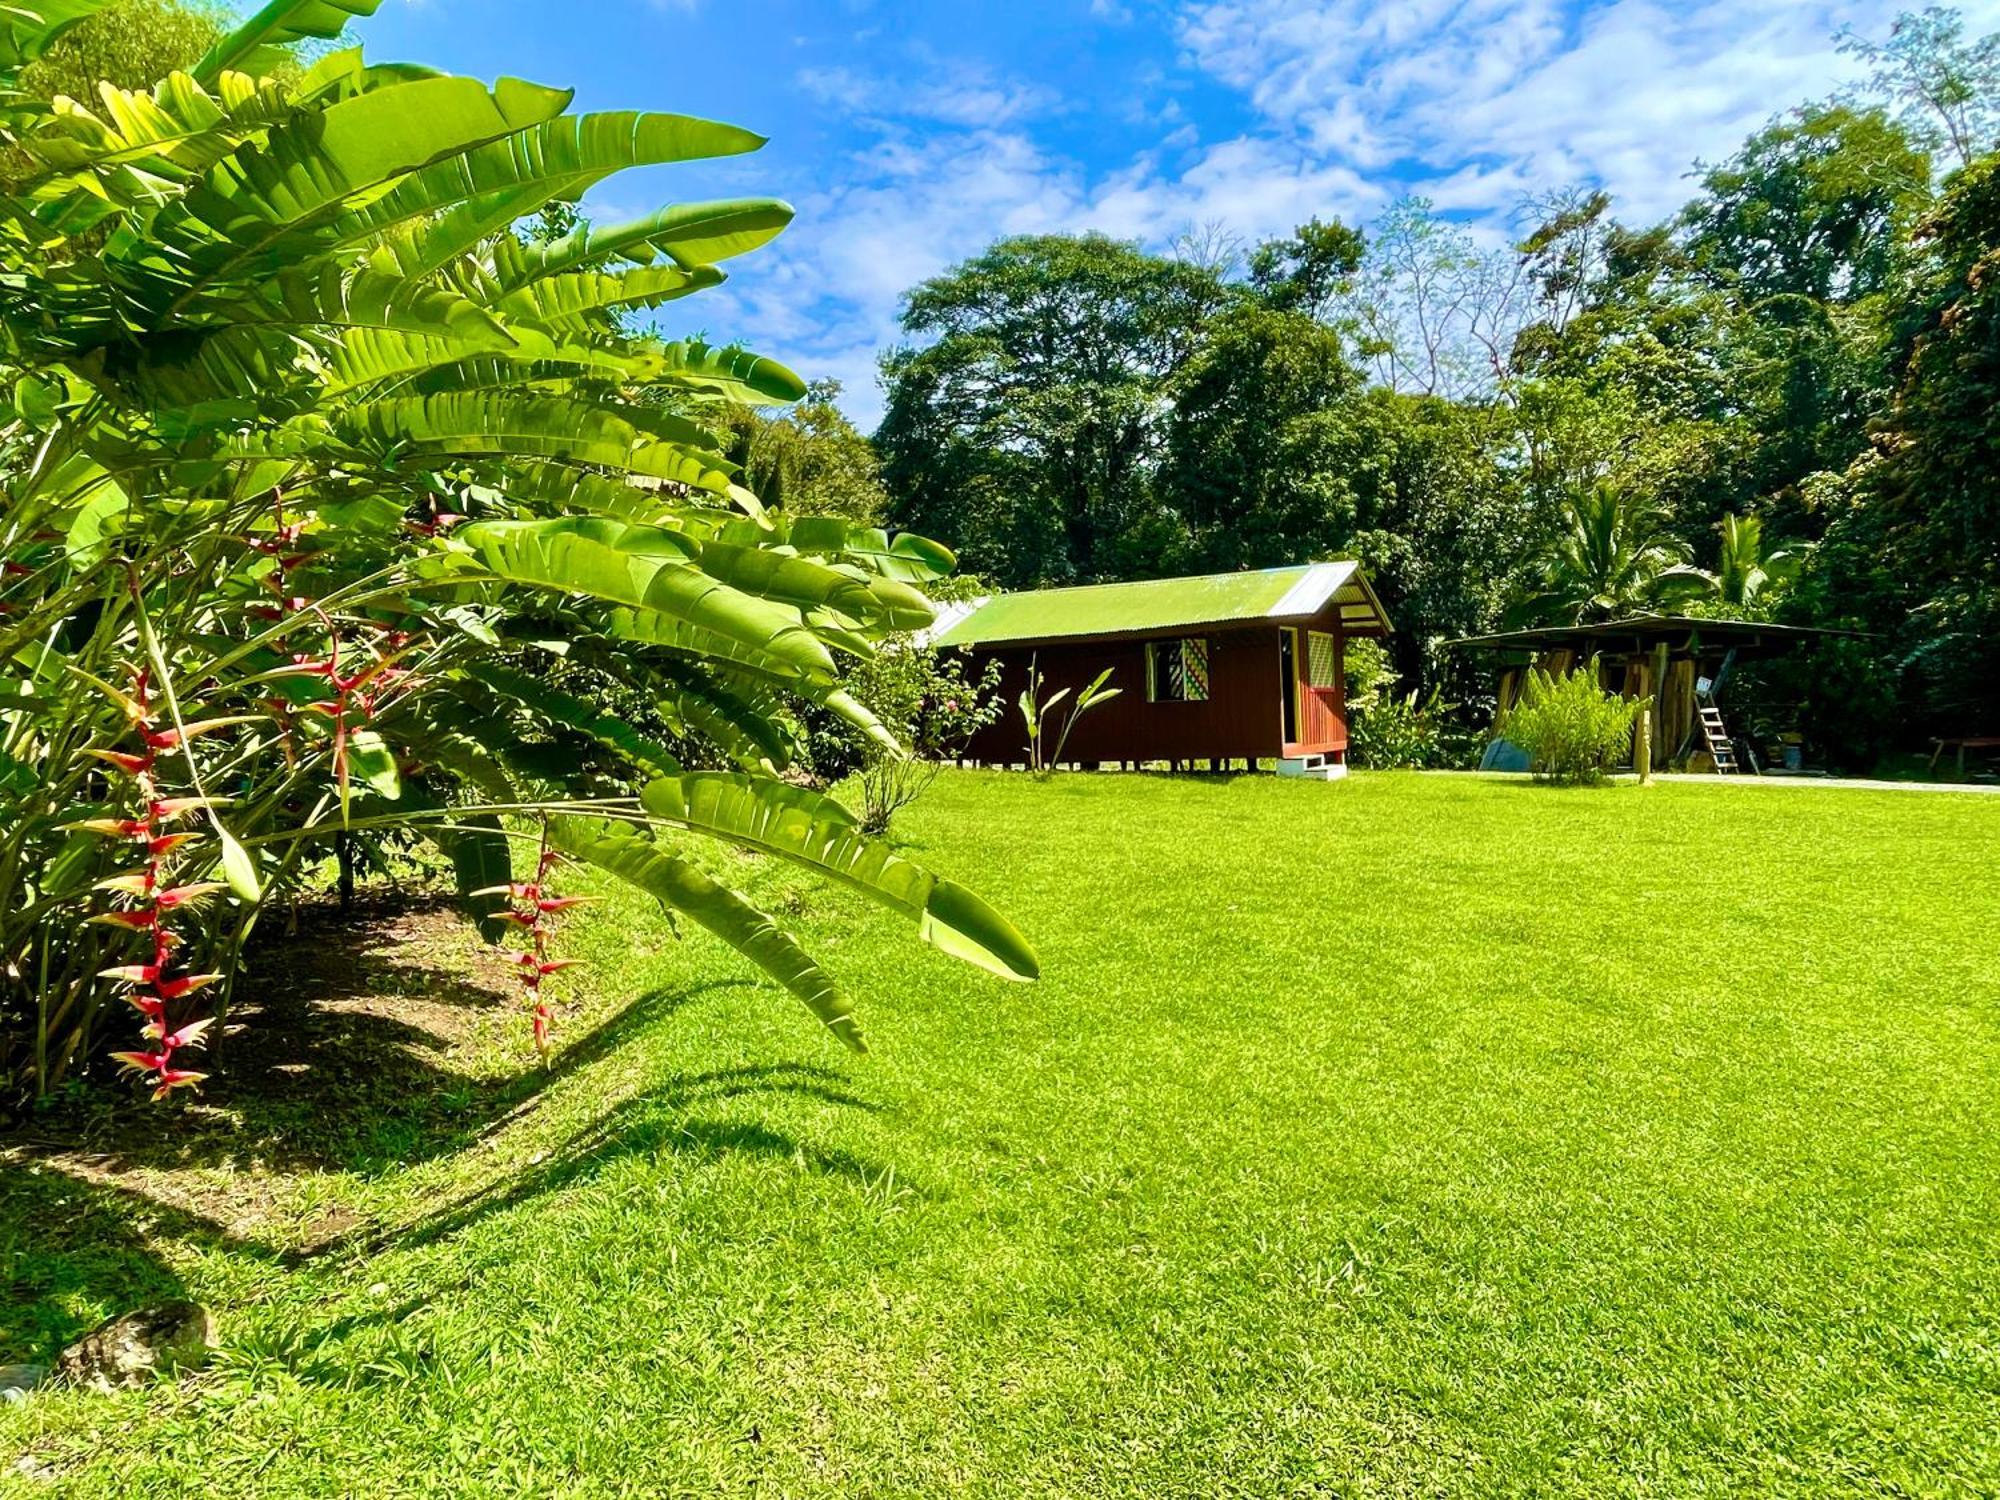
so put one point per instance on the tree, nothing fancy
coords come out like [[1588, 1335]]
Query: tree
[[1948, 88], [809, 458], [128, 44], [1815, 207], [1311, 272], [1912, 544], [1025, 430], [1253, 469], [1748, 566], [1615, 557]]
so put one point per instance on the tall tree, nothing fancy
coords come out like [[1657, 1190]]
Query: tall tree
[[1813, 206], [809, 459], [1025, 429], [1947, 88]]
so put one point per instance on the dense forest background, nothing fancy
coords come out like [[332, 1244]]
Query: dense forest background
[[1778, 403]]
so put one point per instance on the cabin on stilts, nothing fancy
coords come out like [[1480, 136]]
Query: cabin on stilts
[[1681, 663], [1231, 667]]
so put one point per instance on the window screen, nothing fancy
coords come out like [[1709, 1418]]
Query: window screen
[[1179, 671], [1322, 661]]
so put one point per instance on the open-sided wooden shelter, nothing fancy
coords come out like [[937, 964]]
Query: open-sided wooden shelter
[[1231, 666], [1680, 662]]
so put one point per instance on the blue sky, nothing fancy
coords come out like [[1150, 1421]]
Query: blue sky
[[911, 134]]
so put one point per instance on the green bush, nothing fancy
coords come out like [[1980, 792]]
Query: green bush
[[1571, 729]]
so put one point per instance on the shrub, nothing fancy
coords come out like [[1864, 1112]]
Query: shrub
[[929, 700], [1570, 728], [1395, 734]]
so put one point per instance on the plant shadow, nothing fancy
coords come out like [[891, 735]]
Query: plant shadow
[[345, 1058], [351, 1047]]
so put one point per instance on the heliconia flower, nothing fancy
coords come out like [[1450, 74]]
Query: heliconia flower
[[190, 1035], [169, 808], [186, 895], [167, 843], [152, 1007], [131, 974], [187, 984], [562, 903], [557, 965], [117, 828], [520, 918], [170, 739], [136, 921], [131, 765], [175, 1078], [146, 1062], [135, 883], [518, 892]]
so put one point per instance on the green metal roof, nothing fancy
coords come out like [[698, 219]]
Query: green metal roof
[[1161, 604]]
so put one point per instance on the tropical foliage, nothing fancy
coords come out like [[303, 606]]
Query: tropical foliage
[[1572, 729], [332, 506]]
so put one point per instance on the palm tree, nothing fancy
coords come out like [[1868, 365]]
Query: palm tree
[[1615, 557], [1746, 570]]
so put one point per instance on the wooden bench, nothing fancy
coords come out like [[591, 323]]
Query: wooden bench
[[1962, 744]]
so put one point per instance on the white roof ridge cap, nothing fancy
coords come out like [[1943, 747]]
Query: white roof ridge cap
[[1314, 591]]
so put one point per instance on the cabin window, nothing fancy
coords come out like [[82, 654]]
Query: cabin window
[[1322, 661], [1177, 671]]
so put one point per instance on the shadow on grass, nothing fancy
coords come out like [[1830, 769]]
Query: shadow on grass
[[343, 1063], [340, 1055], [74, 1252]]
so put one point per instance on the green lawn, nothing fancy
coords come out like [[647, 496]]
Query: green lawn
[[1411, 1136]]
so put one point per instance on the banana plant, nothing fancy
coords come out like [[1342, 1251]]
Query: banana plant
[[299, 422]]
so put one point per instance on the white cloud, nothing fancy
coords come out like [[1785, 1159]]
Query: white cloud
[[1477, 100], [949, 92]]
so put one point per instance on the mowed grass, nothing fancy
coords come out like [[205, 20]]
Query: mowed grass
[[1413, 1136]]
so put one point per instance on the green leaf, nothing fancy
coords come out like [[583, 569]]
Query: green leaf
[[512, 424], [590, 556], [456, 206], [566, 708], [281, 22], [239, 868], [625, 853], [373, 761], [28, 27], [816, 832], [690, 234]]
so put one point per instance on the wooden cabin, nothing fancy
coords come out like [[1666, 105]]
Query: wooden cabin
[[1228, 667]]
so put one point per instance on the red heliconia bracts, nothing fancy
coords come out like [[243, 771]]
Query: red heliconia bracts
[[533, 907], [157, 983]]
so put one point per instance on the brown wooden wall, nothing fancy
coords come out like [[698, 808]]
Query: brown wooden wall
[[1241, 719]]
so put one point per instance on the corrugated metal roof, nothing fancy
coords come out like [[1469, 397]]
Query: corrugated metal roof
[[1160, 604]]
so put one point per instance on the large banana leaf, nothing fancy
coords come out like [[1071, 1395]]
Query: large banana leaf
[[506, 424], [625, 853], [691, 234], [260, 209], [566, 302], [276, 24], [818, 833], [28, 27], [568, 709], [467, 200]]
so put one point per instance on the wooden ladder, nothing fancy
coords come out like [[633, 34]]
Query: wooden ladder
[[1715, 737]]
